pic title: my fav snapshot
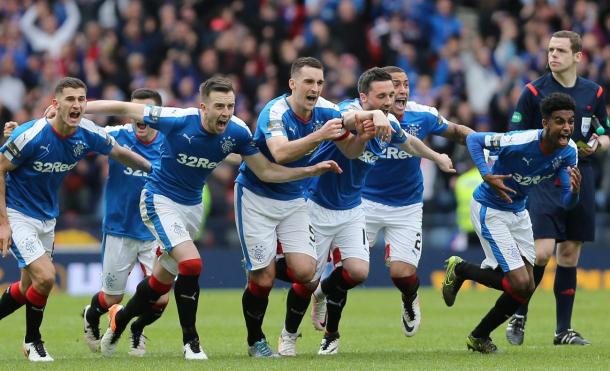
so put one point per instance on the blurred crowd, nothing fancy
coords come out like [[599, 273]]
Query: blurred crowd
[[469, 58]]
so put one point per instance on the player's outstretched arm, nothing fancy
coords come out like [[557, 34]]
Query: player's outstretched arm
[[416, 147], [476, 144], [129, 158], [457, 132], [269, 172], [284, 150], [5, 228], [134, 111]]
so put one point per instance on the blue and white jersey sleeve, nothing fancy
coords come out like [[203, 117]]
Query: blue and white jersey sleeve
[[421, 120], [244, 145], [271, 119], [98, 139], [168, 119], [18, 148], [350, 105]]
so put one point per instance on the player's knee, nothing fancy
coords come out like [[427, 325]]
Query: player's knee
[[568, 257], [304, 274], [358, 274], [259, 289], [523, 287], [190, 267], [401, 270], [543, 257], [162, 302], [44, 282]]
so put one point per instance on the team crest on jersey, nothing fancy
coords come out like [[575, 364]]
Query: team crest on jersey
[[227, 144], [413, 130], [78, 149], [556, 163]]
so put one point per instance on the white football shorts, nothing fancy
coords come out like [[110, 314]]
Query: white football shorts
[[262, 222], [31, 238], [402, 228], [506, 236], [119, 256], [344, 230], [170, 222]]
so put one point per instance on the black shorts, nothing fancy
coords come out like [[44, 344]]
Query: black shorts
[[551, 220]]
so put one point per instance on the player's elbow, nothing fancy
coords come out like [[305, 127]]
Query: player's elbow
[[280, 157], [266, 175]]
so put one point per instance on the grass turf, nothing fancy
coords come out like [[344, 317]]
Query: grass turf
[[371, 336]]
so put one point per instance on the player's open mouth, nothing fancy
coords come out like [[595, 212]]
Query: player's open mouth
[[74, 115], [564, 140], [400, 103], [312, 98], [141, 126], [221, 124]]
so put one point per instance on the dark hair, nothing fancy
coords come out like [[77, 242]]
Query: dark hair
[[304, 62], [556, 102], [69, 82], [371, 75], [393, 69], [215, 83], [144, 93], [575, 39]]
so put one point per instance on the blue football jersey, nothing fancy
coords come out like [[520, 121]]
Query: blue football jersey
[[343, 191], [396, 179], [189, 153], [589, 97], [44, 157], [278, 119], [519, 153], [124, 185]]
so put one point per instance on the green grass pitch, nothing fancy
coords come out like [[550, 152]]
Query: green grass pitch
[[371, 336]]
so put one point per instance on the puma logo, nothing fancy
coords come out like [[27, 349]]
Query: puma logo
[[189, 138], [192, 297], [526, 160], [335, 303], [46, 148]]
